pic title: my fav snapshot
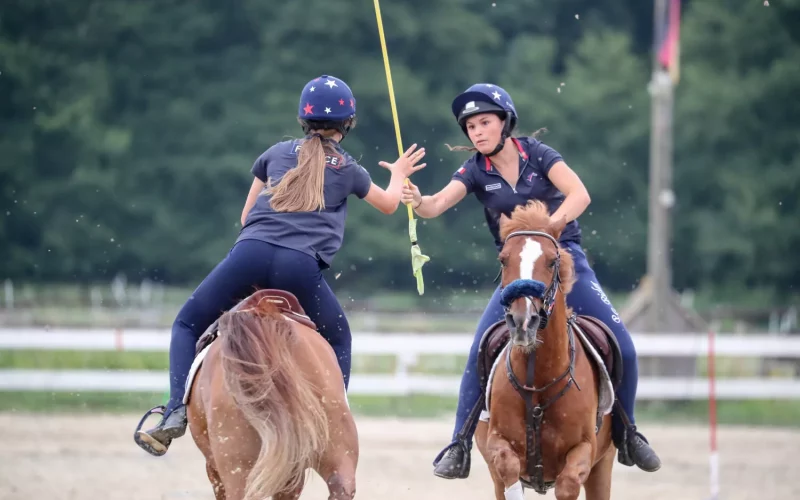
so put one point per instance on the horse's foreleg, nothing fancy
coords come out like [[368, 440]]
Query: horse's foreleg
[[506, 466], [481, 440], [598, 484], [576, 470]]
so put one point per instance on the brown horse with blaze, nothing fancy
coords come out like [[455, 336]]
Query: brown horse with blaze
[[548, 401]]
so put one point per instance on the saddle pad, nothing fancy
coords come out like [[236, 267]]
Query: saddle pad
[[485, 412], [198, 360], [605, 396]]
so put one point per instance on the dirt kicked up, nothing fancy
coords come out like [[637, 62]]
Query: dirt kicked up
[[60, 457]]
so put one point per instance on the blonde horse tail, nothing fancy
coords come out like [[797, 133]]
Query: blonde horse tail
[[276, 398]]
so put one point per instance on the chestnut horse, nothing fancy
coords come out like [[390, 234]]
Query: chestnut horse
[[549, 397], [269, 402]]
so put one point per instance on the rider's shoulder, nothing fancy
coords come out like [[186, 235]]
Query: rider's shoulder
[[467, 169], [345, 159], [473, 161], [530, 144], [281, 148], [538, 150]]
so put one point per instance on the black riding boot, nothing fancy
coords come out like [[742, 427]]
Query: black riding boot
[[453, 462], [642, 454], [632, 446], [637, 451], [156, 441]]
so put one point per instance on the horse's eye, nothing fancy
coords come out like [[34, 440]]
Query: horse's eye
[[551, 264]]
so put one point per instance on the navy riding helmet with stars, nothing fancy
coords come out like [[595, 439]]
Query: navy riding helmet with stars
[[486, 98], [327, 103]]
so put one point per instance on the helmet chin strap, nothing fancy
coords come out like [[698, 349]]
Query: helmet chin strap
[[343, 129]]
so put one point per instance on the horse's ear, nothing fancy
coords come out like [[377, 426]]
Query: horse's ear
[[557, 227]]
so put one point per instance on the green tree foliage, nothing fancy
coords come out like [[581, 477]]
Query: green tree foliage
[[127, 130]]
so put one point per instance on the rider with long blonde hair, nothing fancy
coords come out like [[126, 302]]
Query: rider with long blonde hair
[[293, 224]]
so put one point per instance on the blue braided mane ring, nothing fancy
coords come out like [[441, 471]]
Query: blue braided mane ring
[[521, 288]]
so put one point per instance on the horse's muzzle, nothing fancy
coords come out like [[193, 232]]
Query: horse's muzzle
[[523, 328]]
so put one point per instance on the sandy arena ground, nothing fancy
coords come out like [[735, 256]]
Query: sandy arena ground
[[79, 457]]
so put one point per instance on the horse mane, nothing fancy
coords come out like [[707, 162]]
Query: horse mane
[[535, 216]]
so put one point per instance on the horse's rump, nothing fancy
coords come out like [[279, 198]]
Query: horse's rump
[[266, 367], [265, 354]]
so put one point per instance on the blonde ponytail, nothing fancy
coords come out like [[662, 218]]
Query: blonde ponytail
[[301, 189]]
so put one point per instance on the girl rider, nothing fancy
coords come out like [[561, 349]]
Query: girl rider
[[506, 172], [293, 225]]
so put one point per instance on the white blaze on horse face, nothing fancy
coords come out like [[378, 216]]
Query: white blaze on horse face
[[531, 251]]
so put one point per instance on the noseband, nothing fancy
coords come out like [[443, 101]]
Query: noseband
[[533, 288]]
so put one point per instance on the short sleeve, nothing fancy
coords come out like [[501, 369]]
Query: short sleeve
[[362, 181], [465, 176], [259, 168], [547, 157]]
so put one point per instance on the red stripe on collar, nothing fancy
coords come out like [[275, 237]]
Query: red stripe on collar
[[522, 153]]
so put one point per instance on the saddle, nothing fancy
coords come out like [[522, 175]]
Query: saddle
[[285, 301], [605, 343], [600, 337]]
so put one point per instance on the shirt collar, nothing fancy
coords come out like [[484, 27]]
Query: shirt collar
[[522, 154]]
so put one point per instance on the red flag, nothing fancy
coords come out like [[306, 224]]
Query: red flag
[[669, 44]]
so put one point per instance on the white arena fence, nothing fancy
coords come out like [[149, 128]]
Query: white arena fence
[[407, 348]]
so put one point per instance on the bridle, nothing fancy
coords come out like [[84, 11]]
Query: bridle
[[533, 288]]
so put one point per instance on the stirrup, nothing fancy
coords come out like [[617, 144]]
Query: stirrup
[[156, 410], [623, 455]]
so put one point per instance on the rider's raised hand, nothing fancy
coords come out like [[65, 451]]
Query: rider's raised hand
[[407, 163]]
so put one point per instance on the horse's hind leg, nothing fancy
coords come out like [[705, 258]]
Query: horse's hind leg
[[598, 484], [576, 470], [293, 495], [340, 476], [338, 464], [216, 482]]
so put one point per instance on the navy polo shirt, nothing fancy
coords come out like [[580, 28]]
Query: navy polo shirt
[[497, 196], [316, 233]]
